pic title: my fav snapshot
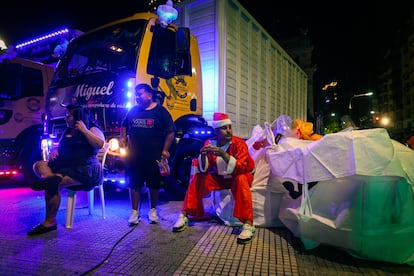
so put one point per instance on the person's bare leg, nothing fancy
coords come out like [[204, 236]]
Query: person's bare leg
[[42, 170], [53, 200], [153, 195], [134, 195], [52, 206]]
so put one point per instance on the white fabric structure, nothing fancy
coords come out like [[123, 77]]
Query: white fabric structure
[[336, 155], [363, 201]]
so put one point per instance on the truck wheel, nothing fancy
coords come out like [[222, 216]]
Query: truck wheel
[[31, 156], [178, 180]]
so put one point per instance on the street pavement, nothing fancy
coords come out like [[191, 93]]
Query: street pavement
[[97, 246]]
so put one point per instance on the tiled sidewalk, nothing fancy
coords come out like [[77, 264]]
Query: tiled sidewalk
[[109, 247]]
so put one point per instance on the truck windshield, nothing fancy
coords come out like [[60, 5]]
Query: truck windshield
[[110, 49], [17, 81]]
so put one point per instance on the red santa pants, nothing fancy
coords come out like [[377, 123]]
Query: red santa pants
[[203, 183]]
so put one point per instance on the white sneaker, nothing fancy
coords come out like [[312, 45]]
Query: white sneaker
[[181, 224], [153, 216], [134, 218], [246, 234]]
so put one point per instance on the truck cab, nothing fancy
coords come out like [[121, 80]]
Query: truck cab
[[26, 71], [23, 87], [99, 71]]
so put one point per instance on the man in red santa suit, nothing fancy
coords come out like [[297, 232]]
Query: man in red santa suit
[[224, 163]]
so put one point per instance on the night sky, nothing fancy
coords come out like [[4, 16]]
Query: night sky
[[348, 36]]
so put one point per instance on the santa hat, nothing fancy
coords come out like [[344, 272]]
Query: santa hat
[[220, 119]]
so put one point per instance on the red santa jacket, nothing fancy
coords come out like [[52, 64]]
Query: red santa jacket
[[240, 160]]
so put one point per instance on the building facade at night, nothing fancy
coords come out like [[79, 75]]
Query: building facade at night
[[396, 83]]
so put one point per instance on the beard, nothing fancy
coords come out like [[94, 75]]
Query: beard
[[143, 104]]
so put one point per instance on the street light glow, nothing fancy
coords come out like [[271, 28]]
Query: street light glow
[[3, 45], [359, 95], [385, 121]]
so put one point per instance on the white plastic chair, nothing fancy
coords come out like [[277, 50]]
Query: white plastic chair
[[71, 201]]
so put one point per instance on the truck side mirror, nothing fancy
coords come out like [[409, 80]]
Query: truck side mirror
[[183, 57], [183, 40], [162, 55]]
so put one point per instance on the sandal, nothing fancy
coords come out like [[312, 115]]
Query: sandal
[[41, 229]]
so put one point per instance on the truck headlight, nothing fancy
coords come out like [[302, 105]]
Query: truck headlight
[[114, 144], [115, 148]]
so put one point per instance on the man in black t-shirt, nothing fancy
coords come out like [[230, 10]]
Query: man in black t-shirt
[[148, 131]]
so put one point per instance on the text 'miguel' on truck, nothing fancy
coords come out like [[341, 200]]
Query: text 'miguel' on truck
[[227, 62]]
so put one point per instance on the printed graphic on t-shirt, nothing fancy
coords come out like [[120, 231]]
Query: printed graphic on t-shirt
[[142, 123]]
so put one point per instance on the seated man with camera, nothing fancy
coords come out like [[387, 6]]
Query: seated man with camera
[[72, 164]]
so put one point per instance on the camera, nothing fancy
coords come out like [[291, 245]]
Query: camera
[[77, 114]]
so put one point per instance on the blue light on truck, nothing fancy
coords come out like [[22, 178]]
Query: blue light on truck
[[130, 83], [43, 37], [130, 93], [200, 132]]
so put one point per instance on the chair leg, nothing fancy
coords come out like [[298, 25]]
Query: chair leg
[[102, 196], [70, 208], [91, 200]]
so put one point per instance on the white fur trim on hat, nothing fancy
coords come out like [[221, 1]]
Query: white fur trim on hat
[[220, 119], [217, 124]]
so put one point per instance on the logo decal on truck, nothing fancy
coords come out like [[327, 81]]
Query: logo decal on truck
[[33, 104]]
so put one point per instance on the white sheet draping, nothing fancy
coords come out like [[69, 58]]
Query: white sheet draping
[[364, 199], [361, 152]]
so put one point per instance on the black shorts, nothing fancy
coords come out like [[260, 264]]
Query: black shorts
[[88, 172], [140, 174]]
